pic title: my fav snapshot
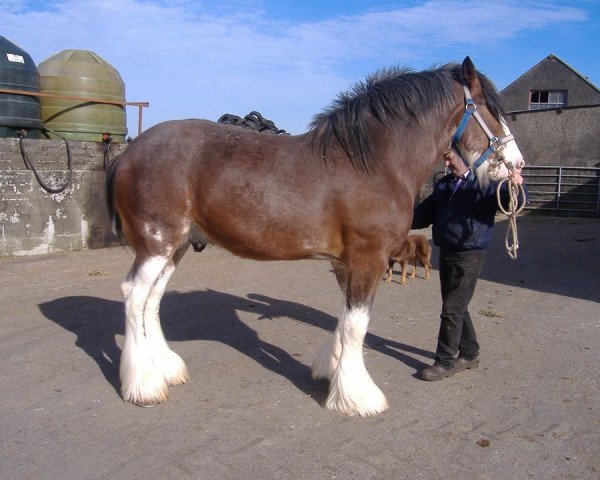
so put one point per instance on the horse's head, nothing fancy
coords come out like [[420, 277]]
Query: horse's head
[[482, 137]]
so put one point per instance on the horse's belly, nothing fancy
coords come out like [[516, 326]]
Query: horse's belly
[[253, 240]]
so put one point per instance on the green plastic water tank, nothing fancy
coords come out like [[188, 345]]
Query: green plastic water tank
[[81, 73], [18, 72]]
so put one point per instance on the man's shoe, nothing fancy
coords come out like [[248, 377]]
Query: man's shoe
[[436, 372], [463, 363]]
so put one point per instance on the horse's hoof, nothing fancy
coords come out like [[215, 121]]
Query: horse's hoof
[[360, 404], [148, 402], [357, 409], [174, 370], [146, 394]]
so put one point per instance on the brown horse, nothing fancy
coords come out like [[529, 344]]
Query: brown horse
[[343, 191]]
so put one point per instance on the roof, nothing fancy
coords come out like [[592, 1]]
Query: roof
[[554, 57]]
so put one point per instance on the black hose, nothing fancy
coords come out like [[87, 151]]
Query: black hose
[[31, 166]]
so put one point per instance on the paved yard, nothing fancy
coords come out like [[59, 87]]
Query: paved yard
[[249, 331]]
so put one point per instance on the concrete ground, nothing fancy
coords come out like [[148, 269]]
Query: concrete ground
[[249, 332]]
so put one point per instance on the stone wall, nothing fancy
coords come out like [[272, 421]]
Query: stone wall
[[33, 221]]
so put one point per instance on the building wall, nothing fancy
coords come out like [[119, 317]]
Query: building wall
[[568, 137], [33, 221]]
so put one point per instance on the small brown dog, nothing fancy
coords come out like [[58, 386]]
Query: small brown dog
[[415, 247]]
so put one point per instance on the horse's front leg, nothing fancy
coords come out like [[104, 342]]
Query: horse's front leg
[[351, 389], [328, 357]]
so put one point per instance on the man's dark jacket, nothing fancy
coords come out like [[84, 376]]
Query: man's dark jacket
[[462, 220]]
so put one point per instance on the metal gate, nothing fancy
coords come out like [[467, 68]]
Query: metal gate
[[571, 190]]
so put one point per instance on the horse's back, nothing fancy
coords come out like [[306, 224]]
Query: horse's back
[[258, 195], [179, 142], [249, 192], [172, 153]]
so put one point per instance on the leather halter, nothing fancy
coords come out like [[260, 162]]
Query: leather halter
[[495, 144]]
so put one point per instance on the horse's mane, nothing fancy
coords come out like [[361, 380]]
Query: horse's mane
[[387, 96]]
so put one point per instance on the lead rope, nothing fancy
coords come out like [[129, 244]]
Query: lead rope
[[511, 212]]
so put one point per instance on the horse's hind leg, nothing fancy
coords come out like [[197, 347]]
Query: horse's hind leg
[[142, 382], [170, 364]]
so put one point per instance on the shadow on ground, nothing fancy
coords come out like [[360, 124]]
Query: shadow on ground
[[208, 315]]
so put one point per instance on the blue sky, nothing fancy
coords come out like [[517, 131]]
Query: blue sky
[[289, 59]]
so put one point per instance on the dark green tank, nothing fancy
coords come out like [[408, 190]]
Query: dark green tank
[[18, 72]]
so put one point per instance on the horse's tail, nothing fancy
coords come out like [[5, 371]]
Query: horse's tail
[[111, 170]]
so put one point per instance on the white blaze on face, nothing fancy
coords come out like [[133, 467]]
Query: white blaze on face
[[497, 170], [511, 151]]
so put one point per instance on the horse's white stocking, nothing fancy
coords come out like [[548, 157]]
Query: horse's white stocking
[[351, 389], [328, 357], [142, 382], [170, 364]]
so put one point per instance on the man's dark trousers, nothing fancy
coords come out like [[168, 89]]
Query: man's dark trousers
[[458, 276]]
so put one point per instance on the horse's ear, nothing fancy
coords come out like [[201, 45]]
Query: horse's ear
[[469, 74]]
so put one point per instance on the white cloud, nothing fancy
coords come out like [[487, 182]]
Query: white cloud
[[190, 58]]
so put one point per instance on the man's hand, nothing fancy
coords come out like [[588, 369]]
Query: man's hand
[[516, 175], [517, 178]]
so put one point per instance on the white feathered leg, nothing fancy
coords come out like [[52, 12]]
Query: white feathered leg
[[351, 389], [170, 364], [142, 382], [328, 357]]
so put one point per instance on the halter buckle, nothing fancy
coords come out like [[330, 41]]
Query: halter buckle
[[496, 144]]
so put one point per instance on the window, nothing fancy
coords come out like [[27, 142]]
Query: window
[[541, 99]]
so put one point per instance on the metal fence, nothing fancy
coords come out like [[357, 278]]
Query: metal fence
[[564, 190]]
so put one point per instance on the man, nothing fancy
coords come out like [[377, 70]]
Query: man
[[462, 214]]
